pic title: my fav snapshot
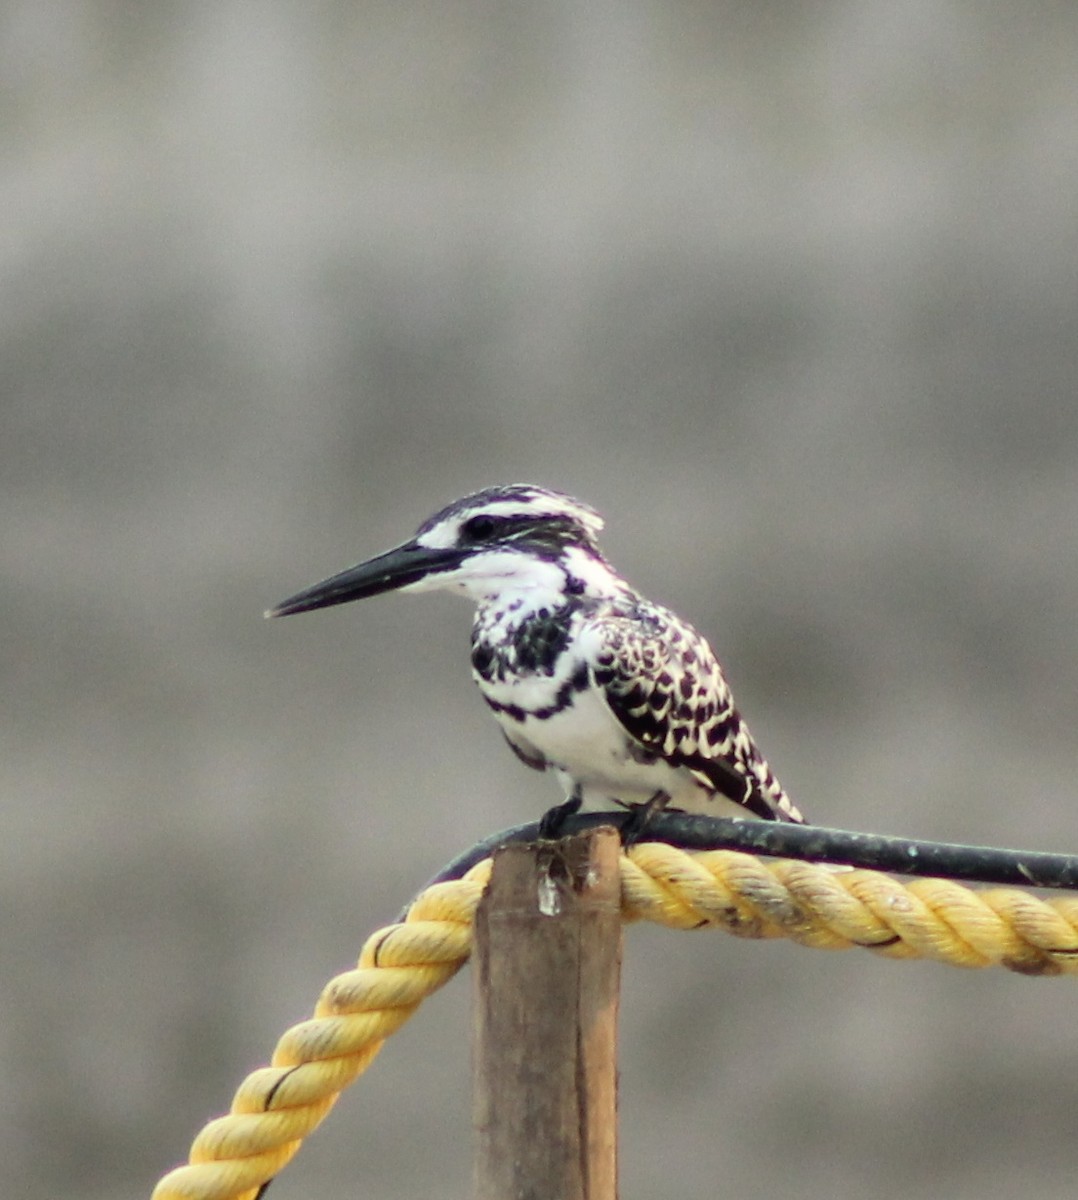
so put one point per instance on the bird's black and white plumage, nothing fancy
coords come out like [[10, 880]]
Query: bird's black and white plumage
[[620, 698]]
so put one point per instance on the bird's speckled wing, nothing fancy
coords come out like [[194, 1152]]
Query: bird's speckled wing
[[665, 687]]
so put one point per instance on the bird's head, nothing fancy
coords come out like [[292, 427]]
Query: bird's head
[[497, 542]]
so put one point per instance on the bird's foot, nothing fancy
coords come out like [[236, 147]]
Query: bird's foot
[[640, 816], [553, 820]]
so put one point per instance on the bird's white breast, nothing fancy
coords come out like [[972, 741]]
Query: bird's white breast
[[585, 744]]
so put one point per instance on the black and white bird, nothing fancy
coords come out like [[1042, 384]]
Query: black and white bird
[[620, 698]]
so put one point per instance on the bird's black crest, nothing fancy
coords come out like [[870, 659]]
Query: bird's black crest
[[509, 512]]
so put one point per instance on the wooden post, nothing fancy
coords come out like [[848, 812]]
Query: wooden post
[[547, 967]]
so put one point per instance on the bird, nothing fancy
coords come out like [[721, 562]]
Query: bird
[[623, 701]]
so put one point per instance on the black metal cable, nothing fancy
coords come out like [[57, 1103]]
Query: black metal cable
[[813, 843]]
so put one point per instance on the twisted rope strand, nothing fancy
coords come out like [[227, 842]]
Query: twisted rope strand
[[277, 1106]]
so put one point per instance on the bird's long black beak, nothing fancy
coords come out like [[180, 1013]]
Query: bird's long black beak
[[396, 568]]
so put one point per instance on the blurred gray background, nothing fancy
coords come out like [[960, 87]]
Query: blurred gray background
[[789, 292]]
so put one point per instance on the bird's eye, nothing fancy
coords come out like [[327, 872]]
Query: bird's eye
[[478, 529]]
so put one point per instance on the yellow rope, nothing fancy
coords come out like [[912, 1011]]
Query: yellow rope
[[277, 1106]]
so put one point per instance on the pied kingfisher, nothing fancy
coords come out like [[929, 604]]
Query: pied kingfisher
[[620, 698]]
